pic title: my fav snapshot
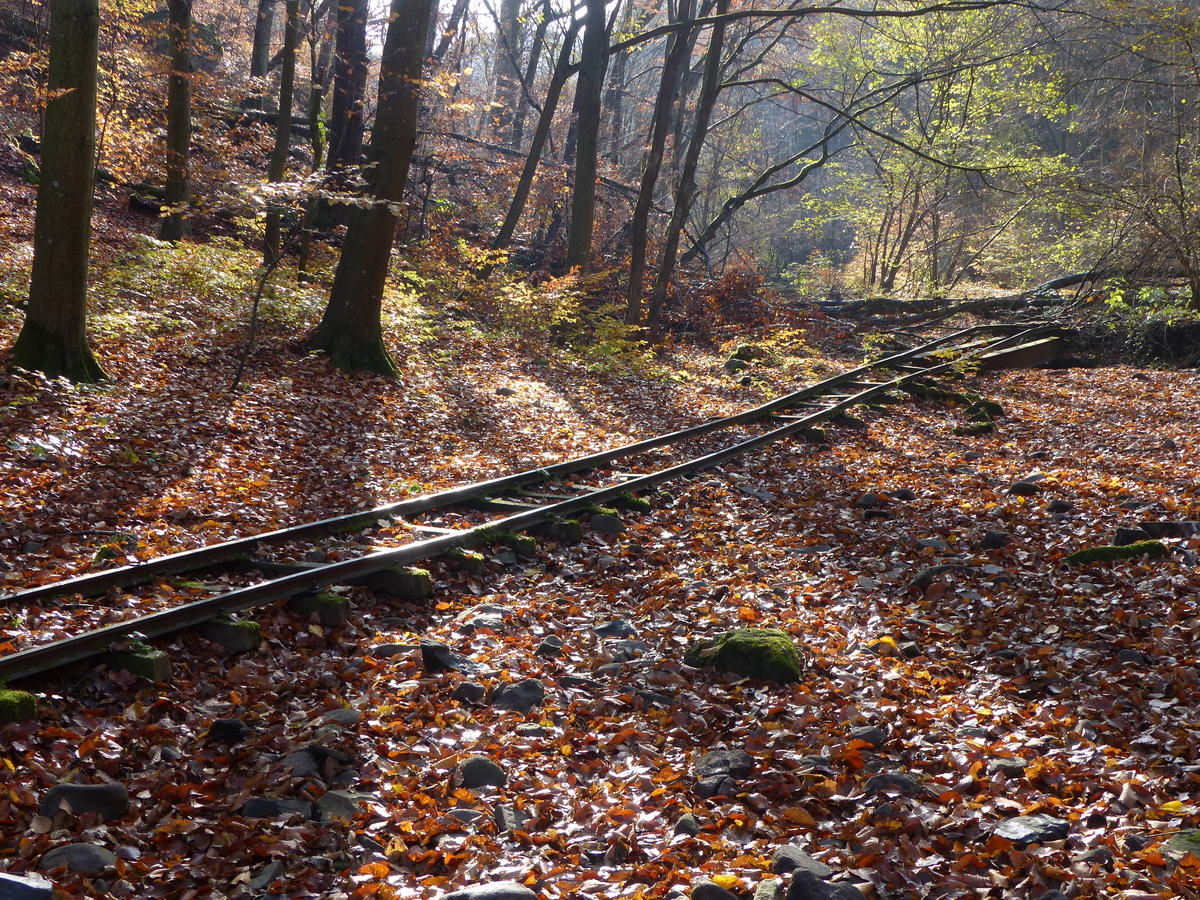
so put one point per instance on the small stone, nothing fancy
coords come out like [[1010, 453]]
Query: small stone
[[716, 786], [607, 524], [746, 380], [1060, 506], [346, 715], [551, 645], [733, 366], [1132, 657], [484, 615], [911, 649], [336, 805], [32, 546], [520, 696], [275, 808], [768, 889], [1035, 829], [618, 628], [470, 693], [330, 609], [735, 763], [907, 495], [479, 771], [266, 875], [928, 575], [109, 801], [465, 814], [625, 651], [235, 636], [387, 651], [888, 782], [1135, 842], [497, 890], [505, 391], [82, 859], [792, 858], [1100, 856], [25, 887], [1125, 536], [872, 734], [316, 555], [687, 824], [404, 582], [1181, 845], [710, 890], [228, 731], [994, 540], [1169, 444], [822, 764], [870, 500], [510, 818], [16, 706], [807, 886], [1025, 489], [437, 657], [934, 544], [1009, 766]]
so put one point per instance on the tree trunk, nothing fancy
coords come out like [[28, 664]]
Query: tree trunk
[[506, 70], [179, 121], [53, 338], [283, 128], [260, 51], [686, 192], [553, 93], [615, 96], [351, 331], [668, 88], [588, 90], [531, 67], [349, 85], [451, 29]]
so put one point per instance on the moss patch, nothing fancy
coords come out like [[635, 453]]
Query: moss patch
[[975, 428], [631, 502], [765, 653], [16, 706], [1112, 553]]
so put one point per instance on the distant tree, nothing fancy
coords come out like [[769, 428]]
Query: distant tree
[[283, 127], [350, 331], [349, 84], [179, 121], [260, 50], [53, 338]]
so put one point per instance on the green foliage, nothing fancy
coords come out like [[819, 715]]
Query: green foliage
[[1113, 553]]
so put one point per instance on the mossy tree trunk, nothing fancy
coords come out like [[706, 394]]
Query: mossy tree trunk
[[179, 121], [349, 84], [283, 128], [53, 338], [351, 331]]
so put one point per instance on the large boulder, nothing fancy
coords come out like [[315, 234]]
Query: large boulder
[[765, 653]]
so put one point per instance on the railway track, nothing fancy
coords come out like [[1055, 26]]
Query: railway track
[[519, 509]]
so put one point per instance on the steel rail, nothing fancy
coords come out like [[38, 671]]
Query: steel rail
[[94, 583], [47, 657]]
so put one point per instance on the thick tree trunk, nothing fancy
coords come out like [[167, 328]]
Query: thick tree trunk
[[260, 50], [686, 192], [351, 332], [588, 91], [179, 121], [53, 338], [283, 128], [349, 85], [562, 70], [639, 229]]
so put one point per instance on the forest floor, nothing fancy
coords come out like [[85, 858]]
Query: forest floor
[[1011, 686]]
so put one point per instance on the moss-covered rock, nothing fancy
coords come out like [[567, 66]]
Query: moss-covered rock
[[1181, 845], [406, 582], [1113, 553], [470, 561], [330, 609], [564, 531], [631, 502], [733, 365], [521, 544], [16, 706], [141, 660], [975, 428], [234, 635], [765, 653]]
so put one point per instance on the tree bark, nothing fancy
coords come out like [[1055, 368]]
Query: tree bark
[[349, 85], [260, 51], [558, 80], [351, 332], [639, 230], [615, 96], [179, 122], [592, 63], [53, 338], [452, 28], [531, 67], [686, 192], [283, 128]]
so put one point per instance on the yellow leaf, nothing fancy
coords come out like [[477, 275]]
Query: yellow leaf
[[729, 882]]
